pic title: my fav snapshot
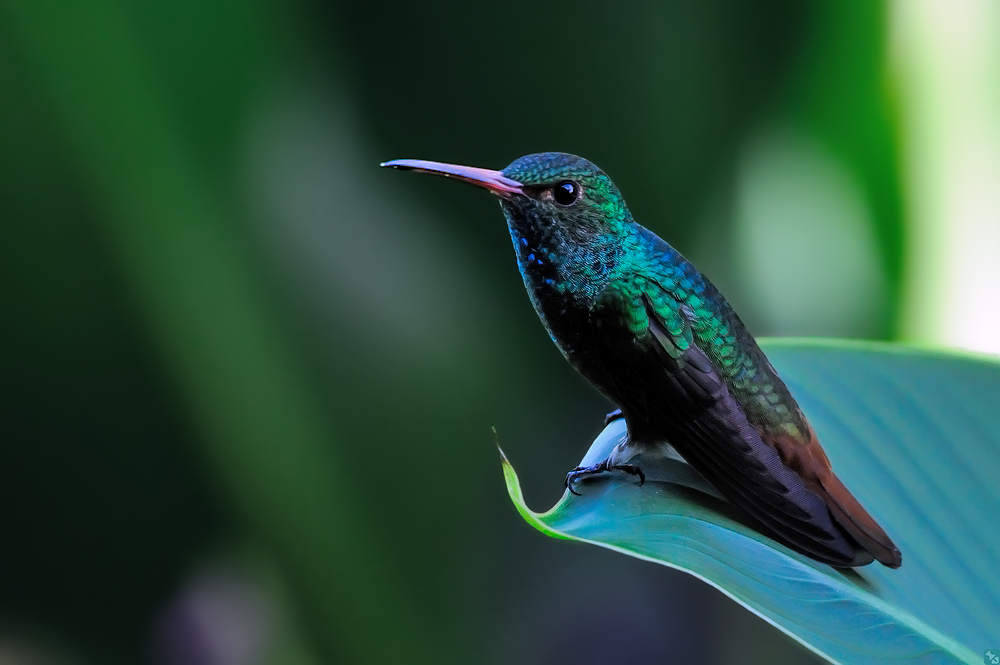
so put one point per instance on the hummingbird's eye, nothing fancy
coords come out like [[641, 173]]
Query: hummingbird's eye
[[566, 193]]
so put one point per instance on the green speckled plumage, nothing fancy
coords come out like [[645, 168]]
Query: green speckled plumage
[[633, 263], [656, 337]]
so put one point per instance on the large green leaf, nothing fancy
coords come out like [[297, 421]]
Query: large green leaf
[[915, 435]]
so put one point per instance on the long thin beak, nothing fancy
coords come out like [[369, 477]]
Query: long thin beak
[[494, 181]]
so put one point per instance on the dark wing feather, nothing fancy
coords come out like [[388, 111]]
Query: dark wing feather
[[709, 429]]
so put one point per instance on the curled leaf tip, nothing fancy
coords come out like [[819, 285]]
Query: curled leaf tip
[[496, 440]]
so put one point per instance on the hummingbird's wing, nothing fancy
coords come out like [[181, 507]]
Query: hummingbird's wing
[[708, 427]]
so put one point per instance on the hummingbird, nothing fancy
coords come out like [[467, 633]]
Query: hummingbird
[[653, 334]]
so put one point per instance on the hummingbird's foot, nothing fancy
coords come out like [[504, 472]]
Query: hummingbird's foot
[[581, 472], [613, 416]]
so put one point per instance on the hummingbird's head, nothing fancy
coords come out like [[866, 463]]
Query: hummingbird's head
[[566, 191], [569, 224], [544, 193]]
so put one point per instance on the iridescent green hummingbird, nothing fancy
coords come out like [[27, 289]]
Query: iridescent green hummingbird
[[654, 336]]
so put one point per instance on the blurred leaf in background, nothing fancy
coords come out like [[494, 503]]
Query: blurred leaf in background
[[246, 373]]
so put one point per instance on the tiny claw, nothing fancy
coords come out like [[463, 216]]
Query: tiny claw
[[582, 471], [634, 470], [575, 473], [601, 467]]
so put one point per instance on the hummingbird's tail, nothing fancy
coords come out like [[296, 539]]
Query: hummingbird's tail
[[846, 511], [806, 457], [854, 519]]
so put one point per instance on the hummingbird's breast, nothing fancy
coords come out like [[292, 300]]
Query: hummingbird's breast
[[563, 278]]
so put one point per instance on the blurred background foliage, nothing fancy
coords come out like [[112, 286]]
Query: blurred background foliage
[[249, 378]]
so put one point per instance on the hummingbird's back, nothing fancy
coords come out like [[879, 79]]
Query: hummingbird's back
[[675, 357]]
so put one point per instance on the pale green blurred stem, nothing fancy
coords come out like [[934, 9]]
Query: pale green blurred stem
[[264, 433], [946, 60]]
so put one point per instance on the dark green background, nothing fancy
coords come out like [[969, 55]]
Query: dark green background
[[245, 369]]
